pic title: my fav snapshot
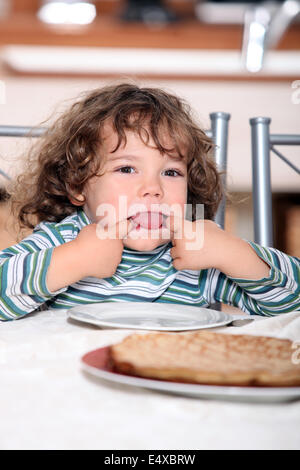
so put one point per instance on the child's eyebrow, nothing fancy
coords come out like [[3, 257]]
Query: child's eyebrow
[[176, 158], [121, 157]]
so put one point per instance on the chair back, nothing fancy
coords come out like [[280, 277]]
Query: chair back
[[219, 134], [262, 143]]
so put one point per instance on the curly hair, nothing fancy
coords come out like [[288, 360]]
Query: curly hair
[[67, 155]]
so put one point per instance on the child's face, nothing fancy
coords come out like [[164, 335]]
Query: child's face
[[137, 176]]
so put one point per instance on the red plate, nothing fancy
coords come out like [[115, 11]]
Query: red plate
[[97, 363], [98, 358]]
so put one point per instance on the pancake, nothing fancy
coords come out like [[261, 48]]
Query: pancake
[[206, 357]]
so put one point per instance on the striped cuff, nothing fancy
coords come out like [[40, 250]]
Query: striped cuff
[[23, 286], [276, 276], [35, 267]]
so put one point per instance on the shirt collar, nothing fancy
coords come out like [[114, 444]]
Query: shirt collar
[[83, 219]]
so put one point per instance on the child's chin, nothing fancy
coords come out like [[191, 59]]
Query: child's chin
[[145, 240], [143, 245]]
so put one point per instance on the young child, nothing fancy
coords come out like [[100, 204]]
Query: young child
[[135, 154]]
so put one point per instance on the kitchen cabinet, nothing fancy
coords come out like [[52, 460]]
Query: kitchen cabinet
[[189, 38]]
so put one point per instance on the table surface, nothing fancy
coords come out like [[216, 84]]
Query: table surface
[[49, 402]]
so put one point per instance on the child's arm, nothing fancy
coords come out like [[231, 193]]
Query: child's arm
[[277, 293], [44, 265], [258, 280], [239, 260], [86, 255], [23, 269]]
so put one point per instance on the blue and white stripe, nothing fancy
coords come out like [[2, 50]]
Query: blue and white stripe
[[140, 277]]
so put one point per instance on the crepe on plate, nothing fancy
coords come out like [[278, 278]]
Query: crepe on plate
[[206, 357]]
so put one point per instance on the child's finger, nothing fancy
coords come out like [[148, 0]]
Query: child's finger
[[175, 225], [115, 231], [123, 227], [174, 253]]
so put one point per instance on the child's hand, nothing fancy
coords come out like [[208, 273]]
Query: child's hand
[[196, 245], [212, 247], [100, 249]]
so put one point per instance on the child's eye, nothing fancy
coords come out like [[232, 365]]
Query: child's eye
[[170, 172], [124, 169], [173, 171]]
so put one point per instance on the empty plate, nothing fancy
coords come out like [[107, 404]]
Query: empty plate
[[149, 316]]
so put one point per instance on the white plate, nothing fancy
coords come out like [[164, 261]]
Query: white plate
[[149, 316], [97, 364]]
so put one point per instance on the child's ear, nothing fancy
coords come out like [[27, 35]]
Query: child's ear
[[79, 201]]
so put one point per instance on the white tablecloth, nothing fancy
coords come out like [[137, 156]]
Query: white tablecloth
[[48, 402]]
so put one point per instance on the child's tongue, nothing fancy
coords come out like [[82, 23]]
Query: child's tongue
[[149, 220]]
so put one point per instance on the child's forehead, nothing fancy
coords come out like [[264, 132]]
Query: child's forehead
[[112, 142], [108, 131]]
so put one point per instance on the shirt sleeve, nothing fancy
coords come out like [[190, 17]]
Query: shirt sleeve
[[23, 271], [269, 296]]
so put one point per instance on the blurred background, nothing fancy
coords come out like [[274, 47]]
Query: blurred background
[[238, 57]]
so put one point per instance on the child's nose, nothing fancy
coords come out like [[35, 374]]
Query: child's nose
[[151, 187]]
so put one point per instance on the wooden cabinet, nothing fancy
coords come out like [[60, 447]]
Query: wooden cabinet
[[23, 27], [286, 213]]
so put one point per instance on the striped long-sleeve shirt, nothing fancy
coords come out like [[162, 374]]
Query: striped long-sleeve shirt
[[140, 277]]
